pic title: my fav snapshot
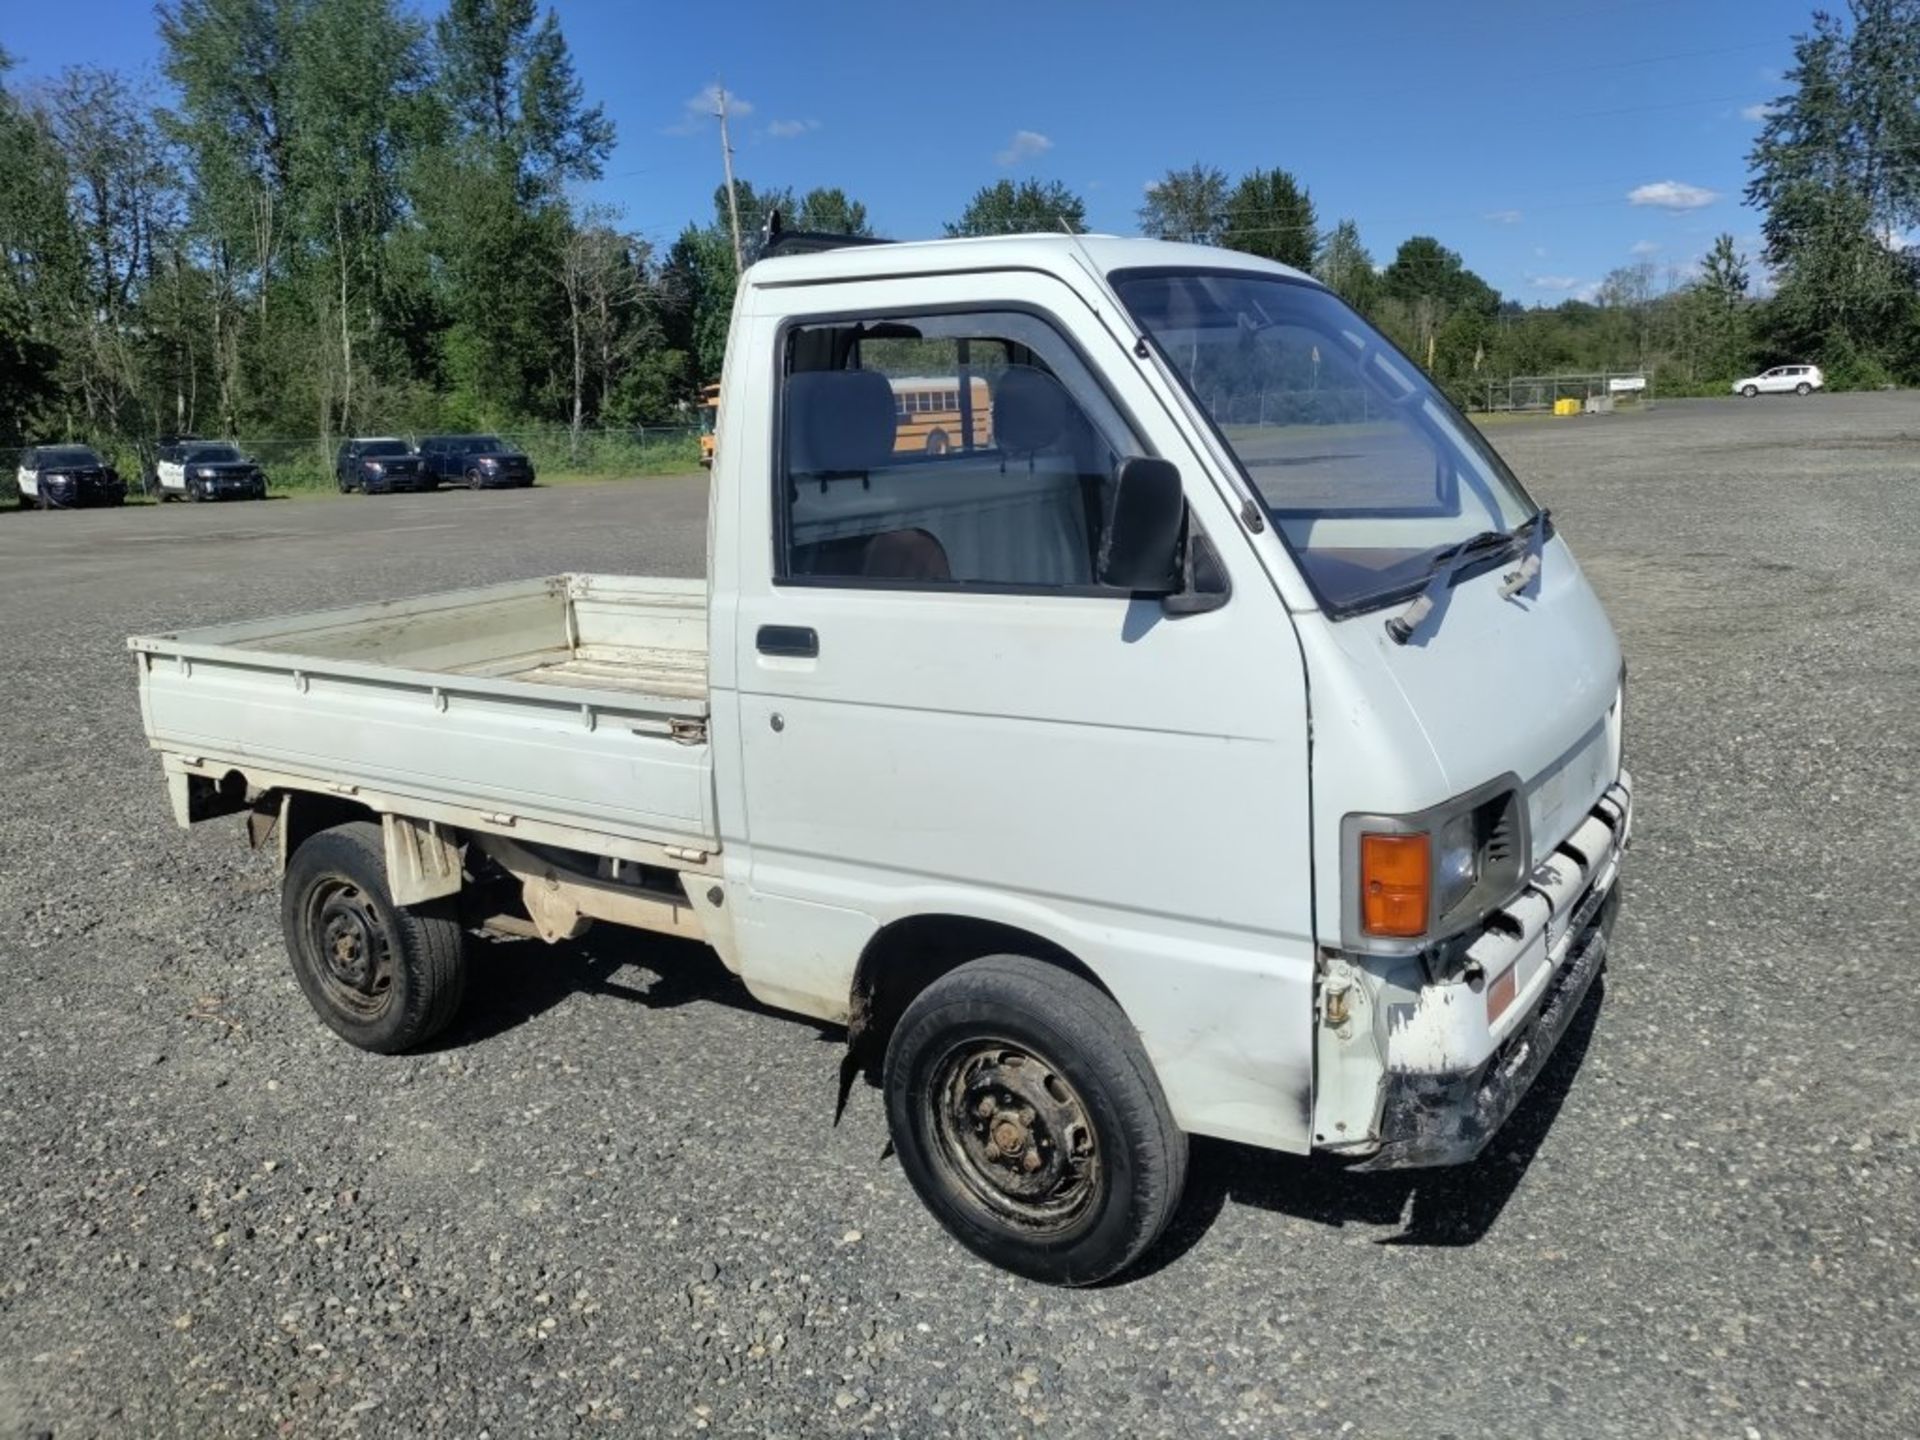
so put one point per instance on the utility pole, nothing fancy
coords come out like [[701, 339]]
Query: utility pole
[[726, 162]]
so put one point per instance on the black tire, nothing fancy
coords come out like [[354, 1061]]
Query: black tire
[[1803, 388], [937, 443], [384, 977], [473, 479], [1750, 391], [1012, 1052]]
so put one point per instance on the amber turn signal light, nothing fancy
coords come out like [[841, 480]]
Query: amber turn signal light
[[1394, 876]]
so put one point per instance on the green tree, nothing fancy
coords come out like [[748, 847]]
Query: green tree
[[121, 198], [1713, 314], [1423, 268], [1027, 207], [498, 232], [1343, 265], [1834, 171], [39, 251], [1270, 214], [697, 297], [829, 209], [511, 86], [1189, 204], [356, 78]]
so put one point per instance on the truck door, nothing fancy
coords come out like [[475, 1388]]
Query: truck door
[[941, 710]]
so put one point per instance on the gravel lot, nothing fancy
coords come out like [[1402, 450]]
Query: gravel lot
[[215, 1218]]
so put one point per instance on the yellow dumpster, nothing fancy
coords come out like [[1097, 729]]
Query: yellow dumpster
[[1566, 407]]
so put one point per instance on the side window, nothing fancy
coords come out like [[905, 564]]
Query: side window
[[961, 449]]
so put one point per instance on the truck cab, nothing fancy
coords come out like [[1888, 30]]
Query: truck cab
[[1214, 738]]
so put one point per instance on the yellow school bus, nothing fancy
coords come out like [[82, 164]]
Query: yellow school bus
[[926, 414], [709, 421]]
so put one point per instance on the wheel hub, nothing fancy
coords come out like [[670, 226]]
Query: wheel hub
[[1018, 1134], [352, 946]]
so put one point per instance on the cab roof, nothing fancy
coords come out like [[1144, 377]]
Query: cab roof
[[1054, 254]]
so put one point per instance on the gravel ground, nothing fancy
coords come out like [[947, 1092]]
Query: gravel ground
[[215, 1218]]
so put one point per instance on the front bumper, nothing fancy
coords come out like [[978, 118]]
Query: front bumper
[[1462, 1057], [80, 497], [229, 489]]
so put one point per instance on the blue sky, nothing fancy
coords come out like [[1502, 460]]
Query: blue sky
[[1520, 138]]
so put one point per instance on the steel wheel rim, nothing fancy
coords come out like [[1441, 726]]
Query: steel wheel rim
[[352, 948], [1016, 1135]]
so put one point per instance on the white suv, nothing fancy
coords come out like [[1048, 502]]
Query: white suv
[[1781, 380]]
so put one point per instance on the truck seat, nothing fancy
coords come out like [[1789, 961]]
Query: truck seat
[[839, 422]]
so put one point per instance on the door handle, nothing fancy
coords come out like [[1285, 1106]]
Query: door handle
[[800, 642]]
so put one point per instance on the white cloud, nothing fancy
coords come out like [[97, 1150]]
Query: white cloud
[[1539, 252], [1672, 195], [1644, 247], [1503, 217], [791, 129], [1555, 282], [700, 108], [1756, 113], [1025, 145]]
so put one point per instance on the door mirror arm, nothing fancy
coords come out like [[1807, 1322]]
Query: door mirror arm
[[1207, 587]]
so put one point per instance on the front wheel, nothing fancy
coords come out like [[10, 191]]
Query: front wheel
[[1749, 391], [384, 977], [473, 479], [1028, 1119]]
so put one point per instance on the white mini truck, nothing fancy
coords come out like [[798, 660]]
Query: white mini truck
[[1227, 746]]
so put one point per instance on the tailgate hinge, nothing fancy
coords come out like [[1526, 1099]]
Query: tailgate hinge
[[688, 732]]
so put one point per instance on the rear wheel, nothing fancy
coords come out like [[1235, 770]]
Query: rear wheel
[[1803, 388], [385, 977], [937, 443], [1028, 1119], [1749, 391]]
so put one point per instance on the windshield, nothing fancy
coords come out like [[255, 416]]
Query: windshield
[[1365, 469], [380, 449], [212, 455], [69, 455]]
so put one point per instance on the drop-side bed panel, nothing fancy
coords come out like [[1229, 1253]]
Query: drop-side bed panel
[[578, 700]]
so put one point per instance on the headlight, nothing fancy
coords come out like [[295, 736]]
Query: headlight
[[487, 462], [1456, 862], [58, 479], [1411, 880], [375, 467]]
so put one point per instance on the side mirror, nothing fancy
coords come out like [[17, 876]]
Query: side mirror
[[1146, 516]]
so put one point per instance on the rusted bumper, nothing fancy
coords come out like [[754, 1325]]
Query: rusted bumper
[[1441, 1118]]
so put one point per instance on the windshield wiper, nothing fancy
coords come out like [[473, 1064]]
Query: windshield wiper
[[1532, 531]]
